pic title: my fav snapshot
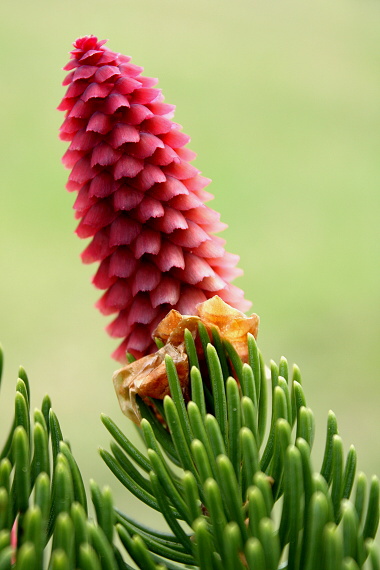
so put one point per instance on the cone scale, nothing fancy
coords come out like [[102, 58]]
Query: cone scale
[[139, 199]]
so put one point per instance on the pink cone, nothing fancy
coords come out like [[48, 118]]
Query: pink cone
[[14, 540], [139, 199]]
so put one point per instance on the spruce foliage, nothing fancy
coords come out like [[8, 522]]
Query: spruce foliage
[[231, 472]]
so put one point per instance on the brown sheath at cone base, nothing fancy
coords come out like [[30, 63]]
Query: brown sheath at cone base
[[147, 376]]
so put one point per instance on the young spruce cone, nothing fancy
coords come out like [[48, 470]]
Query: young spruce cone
[[139, 199]]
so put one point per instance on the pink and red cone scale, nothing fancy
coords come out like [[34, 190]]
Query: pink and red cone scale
[[139, 199]]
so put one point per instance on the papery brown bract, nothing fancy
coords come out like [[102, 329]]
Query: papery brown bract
[[139, 199], [147, 376]]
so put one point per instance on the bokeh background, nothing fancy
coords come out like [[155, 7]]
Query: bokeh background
[[282, 100]]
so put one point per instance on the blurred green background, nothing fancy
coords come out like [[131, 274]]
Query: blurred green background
[[282, 100]]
